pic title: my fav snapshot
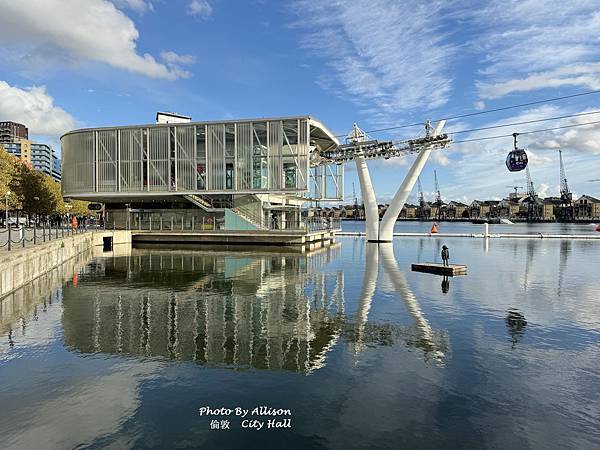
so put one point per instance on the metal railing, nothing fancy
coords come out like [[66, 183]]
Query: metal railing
[[22, 237], [211, 223], [172, 223]]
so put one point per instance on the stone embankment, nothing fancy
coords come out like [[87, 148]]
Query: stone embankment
[[21, 266]]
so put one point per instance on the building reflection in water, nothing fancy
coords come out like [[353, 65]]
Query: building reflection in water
[[241, 309], [270, 311]]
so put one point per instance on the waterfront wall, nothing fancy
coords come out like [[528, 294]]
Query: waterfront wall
[[21, 266]]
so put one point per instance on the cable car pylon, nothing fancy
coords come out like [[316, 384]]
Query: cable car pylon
[[360, 148]]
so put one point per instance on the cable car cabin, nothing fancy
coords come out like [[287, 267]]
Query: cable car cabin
[[516, 160]]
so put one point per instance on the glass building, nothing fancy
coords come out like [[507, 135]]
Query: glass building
[[242, 174], [40, 156]]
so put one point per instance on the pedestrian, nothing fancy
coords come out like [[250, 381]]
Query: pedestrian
[[445, 255]]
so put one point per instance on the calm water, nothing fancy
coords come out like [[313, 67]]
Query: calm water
[[468, 227], [362, 351]]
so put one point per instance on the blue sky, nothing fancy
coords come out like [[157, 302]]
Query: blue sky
[[67, 64]]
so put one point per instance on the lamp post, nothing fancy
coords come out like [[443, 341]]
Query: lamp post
[[7, 194], [36, 199]]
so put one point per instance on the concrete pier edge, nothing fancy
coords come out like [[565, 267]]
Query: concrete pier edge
[[481, 235]]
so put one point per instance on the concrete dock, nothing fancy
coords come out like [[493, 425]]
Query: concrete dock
[[481, 235], [439, 269], [230, 237]]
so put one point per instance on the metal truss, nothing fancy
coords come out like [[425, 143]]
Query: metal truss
[[373, 149]]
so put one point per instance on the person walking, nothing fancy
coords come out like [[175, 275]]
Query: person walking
[[445, 255]]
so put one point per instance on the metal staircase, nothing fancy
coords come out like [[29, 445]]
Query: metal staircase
[[250, 218], [247, 207], [250, 208], [201, 202]]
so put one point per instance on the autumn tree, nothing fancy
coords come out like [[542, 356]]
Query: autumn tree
[[8, 169]]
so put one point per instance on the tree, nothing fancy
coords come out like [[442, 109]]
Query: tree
[[8, 169], [32, 191], [79, 208], [55, 200], [37, 192]]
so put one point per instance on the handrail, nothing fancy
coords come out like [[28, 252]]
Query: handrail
[[48, 233]]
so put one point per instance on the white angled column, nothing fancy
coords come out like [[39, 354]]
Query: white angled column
[[369, 200], [386, 229]]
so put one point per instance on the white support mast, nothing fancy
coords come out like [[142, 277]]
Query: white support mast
[[359, 147], [386, 230]]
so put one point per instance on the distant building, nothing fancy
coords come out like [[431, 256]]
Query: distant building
[[56, 167], [40, 156], [12, 131], [409, 211], [587, 207], [167, 117], [509, 208], [456, 210], [476, 209], [551, 206]]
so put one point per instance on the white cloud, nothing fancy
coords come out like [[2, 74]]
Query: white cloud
[[139, 6], [174, 62], [440, 158], [534, 44], [34, 108], [91, 30], [173, 58], [388, 55], [586, 75], [199, 8]]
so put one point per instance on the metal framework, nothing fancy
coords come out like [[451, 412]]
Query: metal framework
[[246, 157], [360, 149]]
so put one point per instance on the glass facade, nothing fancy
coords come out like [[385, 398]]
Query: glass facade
[[40, 156], [262, 156]]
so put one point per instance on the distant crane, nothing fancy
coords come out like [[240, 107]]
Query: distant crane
[[421, 198], [355, 205], [530, 187], [516, 188], [565, 212], [438, 195], [533, 213]]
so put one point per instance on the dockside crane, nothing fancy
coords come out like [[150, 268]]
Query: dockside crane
[[533, 213], [355, 207], [516, 188], [565, 212], [438, 195], [421, 198]]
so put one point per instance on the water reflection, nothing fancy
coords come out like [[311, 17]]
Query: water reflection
[[565, 251], [431, 342], [158, 316], [268, 312], [516, 323], [21, 308], [422, 335], [238, 309], [445, 285]]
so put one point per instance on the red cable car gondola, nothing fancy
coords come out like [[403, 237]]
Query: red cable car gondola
[[516, 160]]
